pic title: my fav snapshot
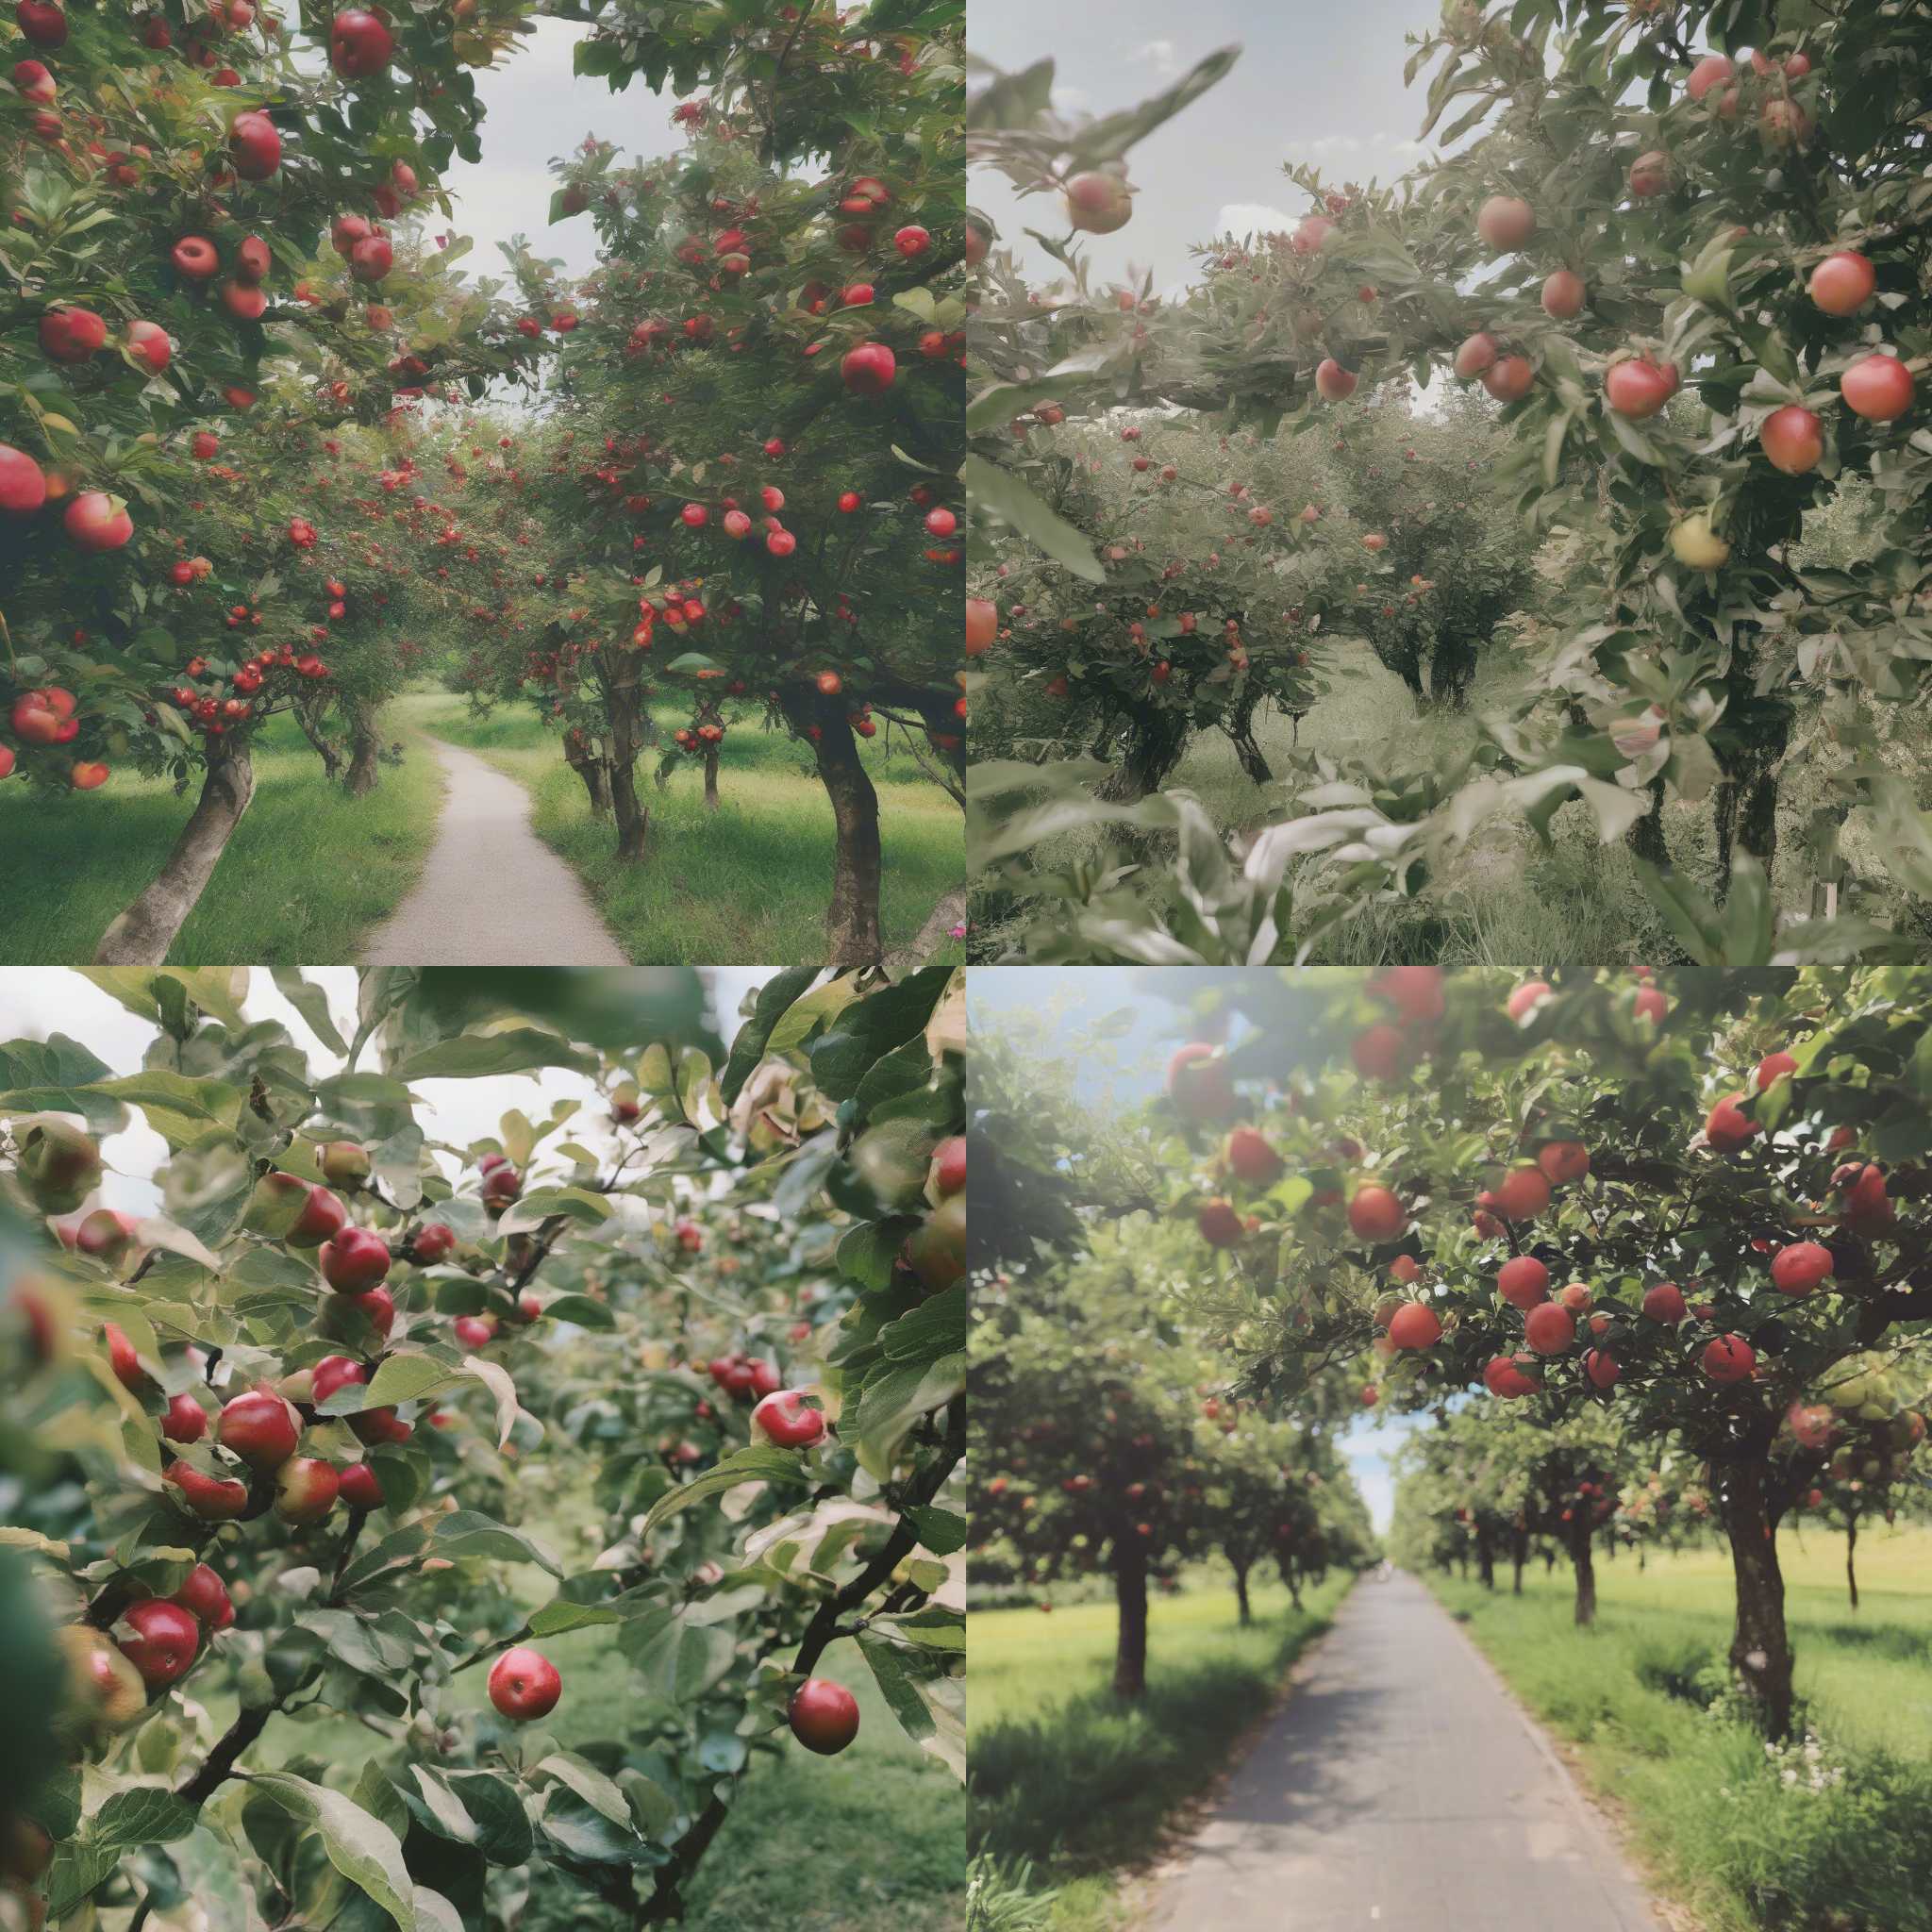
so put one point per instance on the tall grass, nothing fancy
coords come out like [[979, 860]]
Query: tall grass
[[1836, 1838], [309, 873], [747, 881], [1079, 1786]]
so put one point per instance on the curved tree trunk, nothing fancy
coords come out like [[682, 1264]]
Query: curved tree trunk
[[1130, 1598], [625, 709], [365, 745], [1153, 747], [596, 784], [1760, 1645], [141, 934], [1240, 728], [1851, 1564], [310, 712]]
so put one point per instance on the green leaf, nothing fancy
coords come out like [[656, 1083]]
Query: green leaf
[[679, 1657], [561, 1614], [588, 1209], [469, 1533], [511, 1050], [312, 1002], [942, 1531], [753, 1465], [870, 1028], [748, 1049], [581, 1310], [1000, 493], [363, 1849]]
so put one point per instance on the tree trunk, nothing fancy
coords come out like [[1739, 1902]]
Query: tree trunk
[[1582, 1555], [1130, 1597], [1486, 1556], [1760, 1646], [624, 708], [1851, 1566], [1646, 837], [1549, 1560], [712, 779], [1241, 1593], [852, 919], [141, 934], [310, 713], [366, 744], [596, 779], [1519, 1556], [1240, 728], [1154, 742]]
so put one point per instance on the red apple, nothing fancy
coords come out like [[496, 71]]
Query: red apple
[[161, 1641], [204, 1597], [786, 1421], [1478, 352], [23, 482], [72, 335], [1249, 1158], [1877, 388], [1415, 1324], [1843, 283], [823, 1716], [1665, 1303], [1220, 1224], [1729, 1358], [1335, 382], [1199, 1084], [1097, 203], [1601, 1367], [1635, 387], [354, 1261], [1800, 1268], [215, 1499], [95, 521], [359, 45], [1727, 1127], [184, 1420], [359, 1487], [254, 145], [869, 369], [260, 1428], [434, 1242], [1505, 222], [1522, 1281], [1549, 1328], [149, 341], [1375, 1214], [1510, 379], [524, 1685], [1794, 439], [305, 1489], [1563, 1162], [1563, 295], [371, 259]]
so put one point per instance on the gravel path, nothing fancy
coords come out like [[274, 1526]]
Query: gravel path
[[492, 893], [1401, 1788]]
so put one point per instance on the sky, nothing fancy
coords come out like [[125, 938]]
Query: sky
[[1125, 1074], [536, 108], [1315, 84], [36, 1001]]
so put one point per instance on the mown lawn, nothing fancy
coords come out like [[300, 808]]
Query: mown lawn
[[308, 873], [1722, 1829], [1080, 1787], [748, 881]]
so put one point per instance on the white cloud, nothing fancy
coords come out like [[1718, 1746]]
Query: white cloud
[[1252, 218], [1161, 56]]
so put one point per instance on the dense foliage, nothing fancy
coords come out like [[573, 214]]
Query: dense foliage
[[710, 1323]]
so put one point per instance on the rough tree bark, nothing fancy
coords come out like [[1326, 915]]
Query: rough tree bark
[[625, 709], [1646, 837], [1152, 747], [1130, 1597], [141, 934], [1240, 728], [310, 712], [852, 919], [1760, 1645], [365, 746]]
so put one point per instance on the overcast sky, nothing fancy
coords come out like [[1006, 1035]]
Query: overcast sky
[[1127, 1074], [36, 1002], [1316, 84], [535, 108]]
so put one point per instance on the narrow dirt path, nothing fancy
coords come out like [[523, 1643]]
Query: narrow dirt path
[[492, 894], [1402, 1788]]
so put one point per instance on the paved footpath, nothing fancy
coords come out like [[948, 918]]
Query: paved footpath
[[1401, 1788], [492, 894]]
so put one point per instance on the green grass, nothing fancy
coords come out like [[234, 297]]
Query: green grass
[[747, 881], [310, 870], [1082, 1785], [1708, 1813]]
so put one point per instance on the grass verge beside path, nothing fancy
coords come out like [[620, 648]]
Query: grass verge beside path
[[1083, 1787], [1838, 1841], [309, 873], [747, 881]]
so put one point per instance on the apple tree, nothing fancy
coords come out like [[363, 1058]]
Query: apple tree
[[1687, 1199], [203, 214], [752, 486], [290, 1451]]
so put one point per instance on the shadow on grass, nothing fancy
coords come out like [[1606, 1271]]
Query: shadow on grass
[[1091, 1785]]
